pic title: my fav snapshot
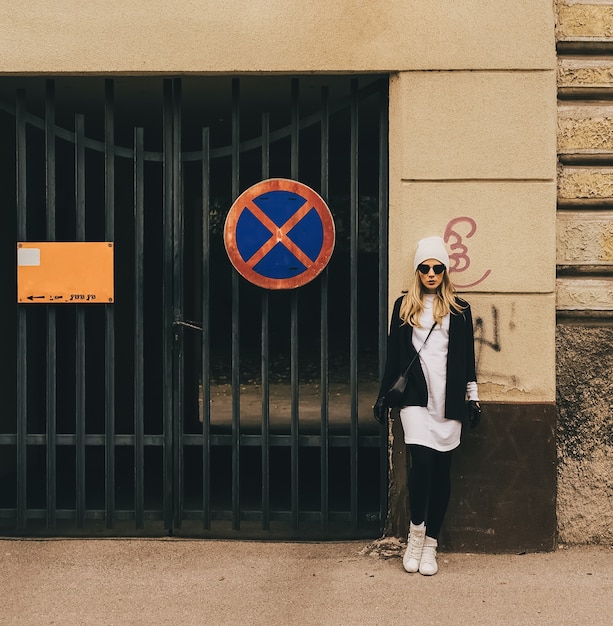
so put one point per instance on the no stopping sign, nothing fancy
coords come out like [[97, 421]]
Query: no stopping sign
[[279, 234]]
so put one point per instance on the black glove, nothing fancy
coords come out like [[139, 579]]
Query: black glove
[[380, 410], [474, 413]]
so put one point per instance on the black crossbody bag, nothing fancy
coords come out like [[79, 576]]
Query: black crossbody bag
[[394, 395]]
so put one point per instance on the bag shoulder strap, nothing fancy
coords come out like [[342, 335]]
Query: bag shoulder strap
[[406, 371]]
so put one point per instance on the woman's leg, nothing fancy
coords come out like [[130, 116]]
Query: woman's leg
[[418, 499], [419, 465], [440, 490], [429, 486], [429, 490]]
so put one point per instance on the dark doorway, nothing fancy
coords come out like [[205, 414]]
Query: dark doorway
[[197, 403]]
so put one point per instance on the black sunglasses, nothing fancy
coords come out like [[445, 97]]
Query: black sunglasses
[[424, 269]]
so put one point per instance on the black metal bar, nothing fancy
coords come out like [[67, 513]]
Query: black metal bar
[[22, 337], [294, 380], [265, 365], [167, 306], [284, 440], [235, 318], [51, 382], [80, 325], [265, 145], [21, 161], [109, 355], [324, 453], [295, 128], [80, 176], [178, 385], [139, 334], [206, 333], [50, 158], [295, 432], [383, 277], [353, 291], [265, 344]]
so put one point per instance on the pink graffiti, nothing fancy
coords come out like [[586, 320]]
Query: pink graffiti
[[460, 261]]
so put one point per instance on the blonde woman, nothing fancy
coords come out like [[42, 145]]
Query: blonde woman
[[430, 321]]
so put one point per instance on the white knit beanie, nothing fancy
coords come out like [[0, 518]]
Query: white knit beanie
[[431, 248]]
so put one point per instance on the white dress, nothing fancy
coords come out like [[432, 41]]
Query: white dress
[[427, 426]]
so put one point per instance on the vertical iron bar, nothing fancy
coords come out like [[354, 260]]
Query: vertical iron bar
[[22, 338], [80, 322], [324, 451], [177, 202], [294, 321], [383, 288], [235, 318], [265, 413], [295, 129], [206, 332], [265, 145], [167, 305], [265, 354], [109, 356], [353, 323], [51, 383], [294, 408], [139, 335]]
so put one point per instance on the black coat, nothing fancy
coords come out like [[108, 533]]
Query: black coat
[[460, 361]]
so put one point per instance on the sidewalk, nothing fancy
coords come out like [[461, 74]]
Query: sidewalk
[[166, 581]]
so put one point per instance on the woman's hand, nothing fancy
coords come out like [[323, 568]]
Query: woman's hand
[[380, 410], [474, 413]]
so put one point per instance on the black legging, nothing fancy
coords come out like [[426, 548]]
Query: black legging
[[429, 486]]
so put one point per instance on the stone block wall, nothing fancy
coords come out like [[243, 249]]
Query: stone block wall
[[584, 301]]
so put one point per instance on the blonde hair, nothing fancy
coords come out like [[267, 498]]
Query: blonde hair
[[412, 305]]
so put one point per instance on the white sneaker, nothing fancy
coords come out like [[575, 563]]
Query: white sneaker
[[428, 565], [415, 543]]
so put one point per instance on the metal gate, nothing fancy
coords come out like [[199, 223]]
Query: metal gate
[[197, 403]]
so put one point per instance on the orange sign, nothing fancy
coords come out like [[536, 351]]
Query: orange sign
[[76, 272]]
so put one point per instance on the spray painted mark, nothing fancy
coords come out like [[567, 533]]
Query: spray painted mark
[[481, 332], [460, 260]]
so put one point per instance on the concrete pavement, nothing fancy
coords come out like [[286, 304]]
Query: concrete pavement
[[171, 581]]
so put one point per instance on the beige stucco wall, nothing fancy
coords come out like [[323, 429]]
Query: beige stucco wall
[[273, 35], [477, 164]]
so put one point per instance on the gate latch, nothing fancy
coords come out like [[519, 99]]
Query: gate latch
[[189, 324]]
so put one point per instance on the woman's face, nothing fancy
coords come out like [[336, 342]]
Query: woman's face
[[429, 278]]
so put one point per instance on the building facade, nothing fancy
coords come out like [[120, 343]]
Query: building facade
[[479, 150]]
